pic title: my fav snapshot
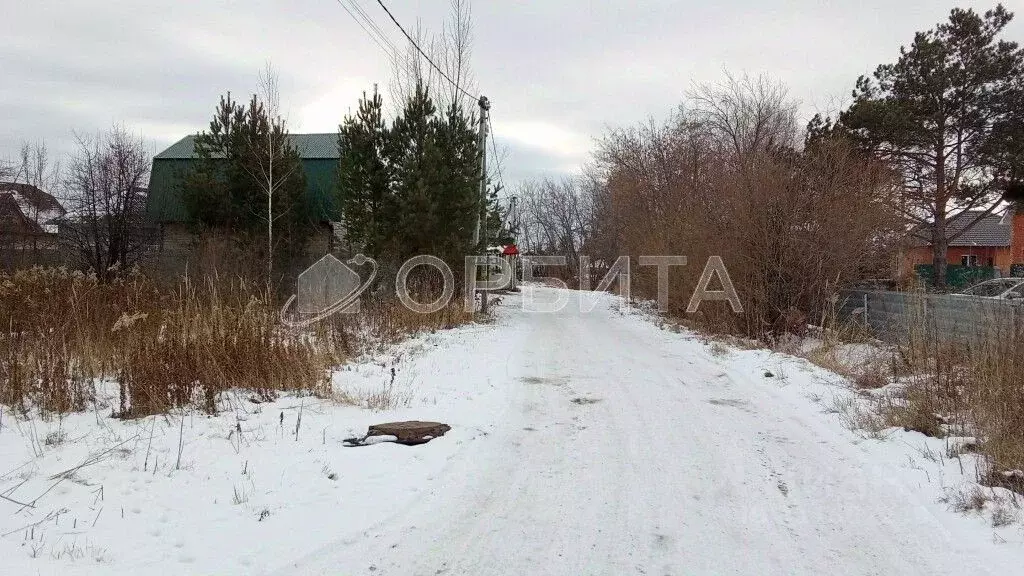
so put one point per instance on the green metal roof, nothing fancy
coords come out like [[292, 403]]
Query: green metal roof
[[310, 147], [319, 154]]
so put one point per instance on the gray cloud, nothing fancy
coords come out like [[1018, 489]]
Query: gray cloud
[[558, 73]]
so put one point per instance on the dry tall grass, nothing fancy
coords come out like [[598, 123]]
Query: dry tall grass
[[965, 387], [165, 348]]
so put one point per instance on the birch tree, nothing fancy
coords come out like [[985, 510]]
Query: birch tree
[[248, 179], [269, 143]]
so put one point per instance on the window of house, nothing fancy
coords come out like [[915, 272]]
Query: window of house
[[969, 260]]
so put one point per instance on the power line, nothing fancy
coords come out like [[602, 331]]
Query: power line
[[370, 27], [424, 54], [494, 148], [373, 24], [379, 38]]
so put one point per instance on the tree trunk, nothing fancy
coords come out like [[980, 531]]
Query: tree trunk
[[939, 240], [939, 248], [270, 209]]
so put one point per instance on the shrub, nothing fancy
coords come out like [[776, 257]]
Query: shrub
[[729, 177]]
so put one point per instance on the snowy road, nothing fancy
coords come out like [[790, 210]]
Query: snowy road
[[619, 448]]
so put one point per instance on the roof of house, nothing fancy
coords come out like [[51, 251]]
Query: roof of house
[[39, 200], [319, 154], [13, 219], [990, 230], [27, 209], [309, 146]]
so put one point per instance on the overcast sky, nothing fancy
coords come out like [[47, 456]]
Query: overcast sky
[[558, 72]]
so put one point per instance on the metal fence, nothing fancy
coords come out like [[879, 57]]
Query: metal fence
[[895, 316]]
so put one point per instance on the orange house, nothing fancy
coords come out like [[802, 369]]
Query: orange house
[[997, 240]]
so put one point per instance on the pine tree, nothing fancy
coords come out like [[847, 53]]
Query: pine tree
[[498, 233], [457, 173], [412, 188], [226, 187], [207, 193], [364, 179], [414, 159], [940, 114]]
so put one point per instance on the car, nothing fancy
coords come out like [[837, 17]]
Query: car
[[998, 289]]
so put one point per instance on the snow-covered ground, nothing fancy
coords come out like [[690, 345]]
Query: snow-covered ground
[[581, 443]]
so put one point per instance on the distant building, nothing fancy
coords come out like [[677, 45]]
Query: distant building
[[995, 242], [165, 206], [27, 210], [29, 219]]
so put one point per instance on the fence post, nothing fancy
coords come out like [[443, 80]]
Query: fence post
[[866, 323], [930, 325]]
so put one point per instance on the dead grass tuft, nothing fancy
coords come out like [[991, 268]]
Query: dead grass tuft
[[174, 347], [1003, 514], [1003, 510], [916, 413], [859, 416], [718, 349], [1009, 479], [972, 499], [871, 376], [868, 373], [946, 384]]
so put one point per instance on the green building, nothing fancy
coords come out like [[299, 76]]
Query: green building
[[165, 205], [319, 153]]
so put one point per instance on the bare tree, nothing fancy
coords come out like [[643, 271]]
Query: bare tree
[[726, 177], [27, 184], [105, 184], [746, 113], [7, 229], [450, 51], [556, 217], [456, 50], [410, 68], [271, 145], [36, 169]]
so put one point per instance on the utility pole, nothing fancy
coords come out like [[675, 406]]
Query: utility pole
[[514, 224], [485, 106]]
